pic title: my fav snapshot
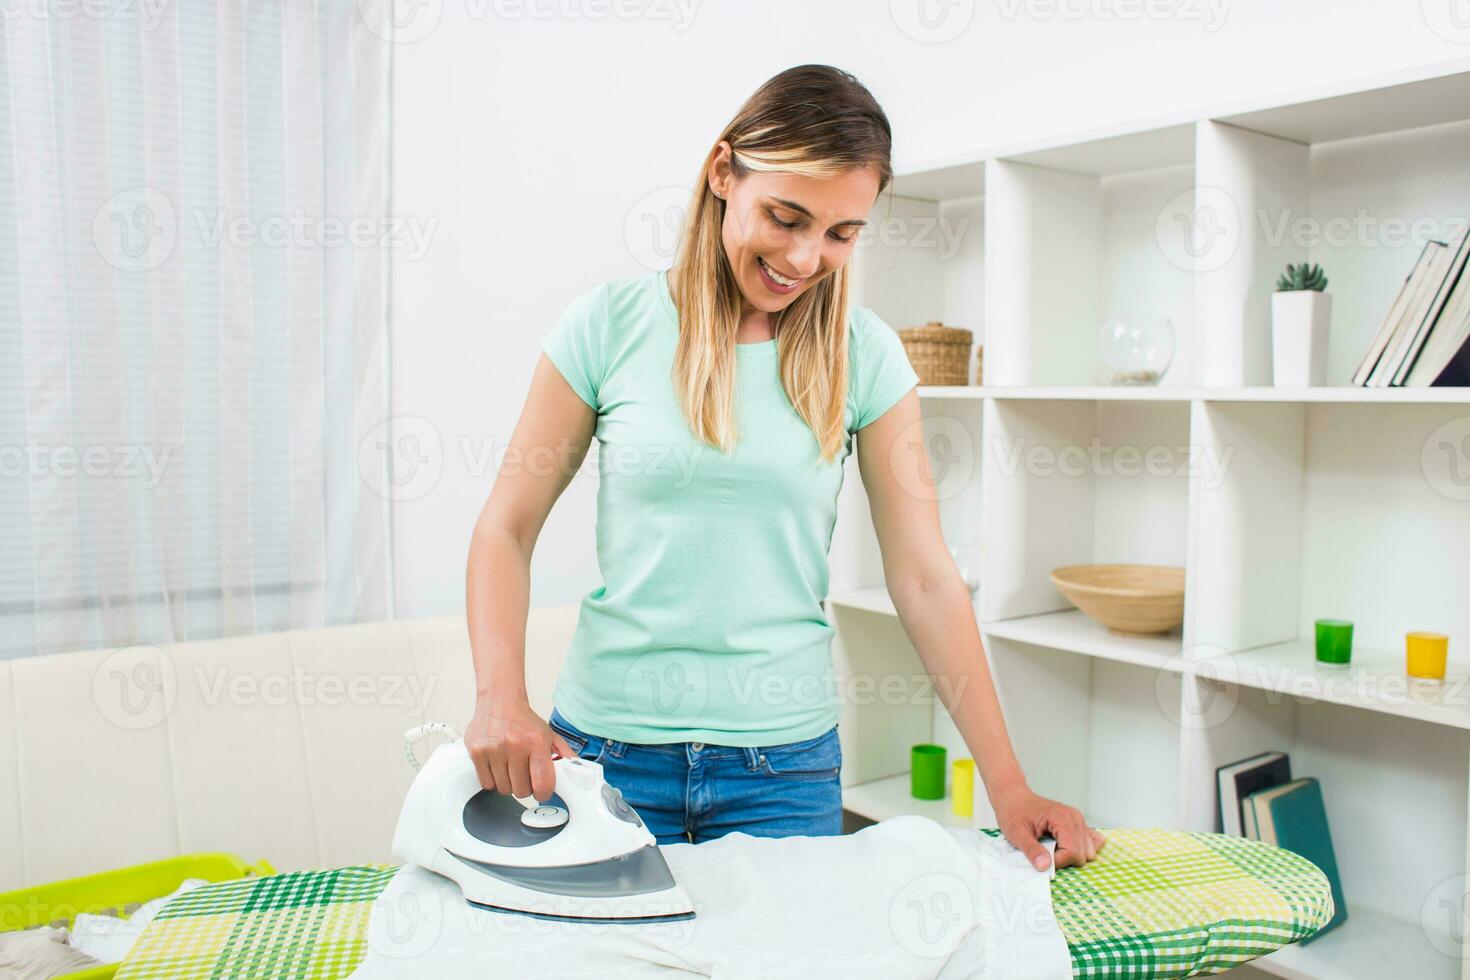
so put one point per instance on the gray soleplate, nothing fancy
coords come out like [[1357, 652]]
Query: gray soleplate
[[638, 873]]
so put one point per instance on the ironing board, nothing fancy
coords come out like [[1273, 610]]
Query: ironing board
[[1155, 905], [1165, 904]]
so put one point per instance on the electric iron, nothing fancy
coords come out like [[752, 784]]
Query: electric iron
[[582, 856]]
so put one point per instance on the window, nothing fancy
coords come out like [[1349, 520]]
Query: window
[[193, 317]]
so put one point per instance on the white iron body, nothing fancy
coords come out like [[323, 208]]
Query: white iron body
[[585, 856]]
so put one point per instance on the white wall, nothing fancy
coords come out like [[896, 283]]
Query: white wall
[[532, 141]]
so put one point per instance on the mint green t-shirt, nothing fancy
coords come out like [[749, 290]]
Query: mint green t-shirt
[[709, 624]]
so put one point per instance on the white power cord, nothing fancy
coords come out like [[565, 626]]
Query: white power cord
[[417, 733]]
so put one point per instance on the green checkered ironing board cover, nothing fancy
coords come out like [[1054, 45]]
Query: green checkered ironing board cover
[[305, 925], [1159, 904], [1154, 905]]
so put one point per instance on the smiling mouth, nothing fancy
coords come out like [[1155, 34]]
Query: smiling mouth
[[785, 282]]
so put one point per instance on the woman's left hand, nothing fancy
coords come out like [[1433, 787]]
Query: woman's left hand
[[1024, 817]]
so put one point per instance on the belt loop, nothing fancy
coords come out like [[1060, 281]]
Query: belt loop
[[752, 758], [616, 748]]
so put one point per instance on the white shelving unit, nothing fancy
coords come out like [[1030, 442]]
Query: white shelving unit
[[1283, 505], [1338, 394], [873, 600]]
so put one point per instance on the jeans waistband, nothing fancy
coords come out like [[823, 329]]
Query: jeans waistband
[[688, 750]]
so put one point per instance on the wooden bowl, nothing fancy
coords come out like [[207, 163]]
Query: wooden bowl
[[1130, 600]]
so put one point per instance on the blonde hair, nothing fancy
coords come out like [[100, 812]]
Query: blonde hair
[[815, 121]]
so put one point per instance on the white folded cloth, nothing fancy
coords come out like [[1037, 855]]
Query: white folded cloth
[[40, 954], [904, 899], [109, 937]]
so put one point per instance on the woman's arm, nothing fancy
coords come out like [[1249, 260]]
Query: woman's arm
[[510, 744], [935, 609]]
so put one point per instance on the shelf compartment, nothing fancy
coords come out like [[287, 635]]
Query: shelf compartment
[[924, 259], [885, 697], [880, 799], [1375, 681], [1084, 727], [1360, 201], [1343, 511], [1071, 482], [875, 600], [1379, 773], [1069, 249]]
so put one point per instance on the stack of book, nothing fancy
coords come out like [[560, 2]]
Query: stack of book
[[1259, 799], [1425, 338]]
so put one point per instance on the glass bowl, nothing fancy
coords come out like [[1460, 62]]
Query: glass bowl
[[1136, 350]]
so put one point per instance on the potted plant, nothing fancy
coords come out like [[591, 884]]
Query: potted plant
[[1301, 314]]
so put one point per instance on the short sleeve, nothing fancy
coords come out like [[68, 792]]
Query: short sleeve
[[577, 343], [882, 372]]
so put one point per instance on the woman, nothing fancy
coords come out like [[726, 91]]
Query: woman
[[724, 396]]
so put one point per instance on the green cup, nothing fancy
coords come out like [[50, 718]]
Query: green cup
[[1334, 641], [926, 772]]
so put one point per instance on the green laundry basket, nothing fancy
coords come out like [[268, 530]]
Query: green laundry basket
[[112, 891]]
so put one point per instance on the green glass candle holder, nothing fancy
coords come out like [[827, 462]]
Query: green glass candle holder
[[926, 773], [1334, 642]]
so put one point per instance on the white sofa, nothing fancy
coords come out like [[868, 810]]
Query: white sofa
[[284, 746]]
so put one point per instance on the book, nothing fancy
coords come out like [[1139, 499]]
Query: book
[[1456, 373], [1415, 300], [1417, 307], [1395, 313], [1294, 816], [1445, 358], [1239, 779], [1460, 245], [1250, 829]]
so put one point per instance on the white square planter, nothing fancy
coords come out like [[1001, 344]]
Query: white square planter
[[1300, 322]]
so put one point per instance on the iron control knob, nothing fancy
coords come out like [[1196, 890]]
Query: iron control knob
[[544, 817], [618, 807]]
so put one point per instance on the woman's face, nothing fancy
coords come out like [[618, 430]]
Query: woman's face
[[784, 233]]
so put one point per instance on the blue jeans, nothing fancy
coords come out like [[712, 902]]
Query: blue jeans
[[695, 792]]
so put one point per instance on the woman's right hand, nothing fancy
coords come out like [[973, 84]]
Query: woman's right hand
[[511, 748]]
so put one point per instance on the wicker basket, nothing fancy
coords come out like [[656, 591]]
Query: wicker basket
[[940, 355]]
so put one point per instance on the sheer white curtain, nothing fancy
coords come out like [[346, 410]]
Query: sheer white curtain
[[193, 317]]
